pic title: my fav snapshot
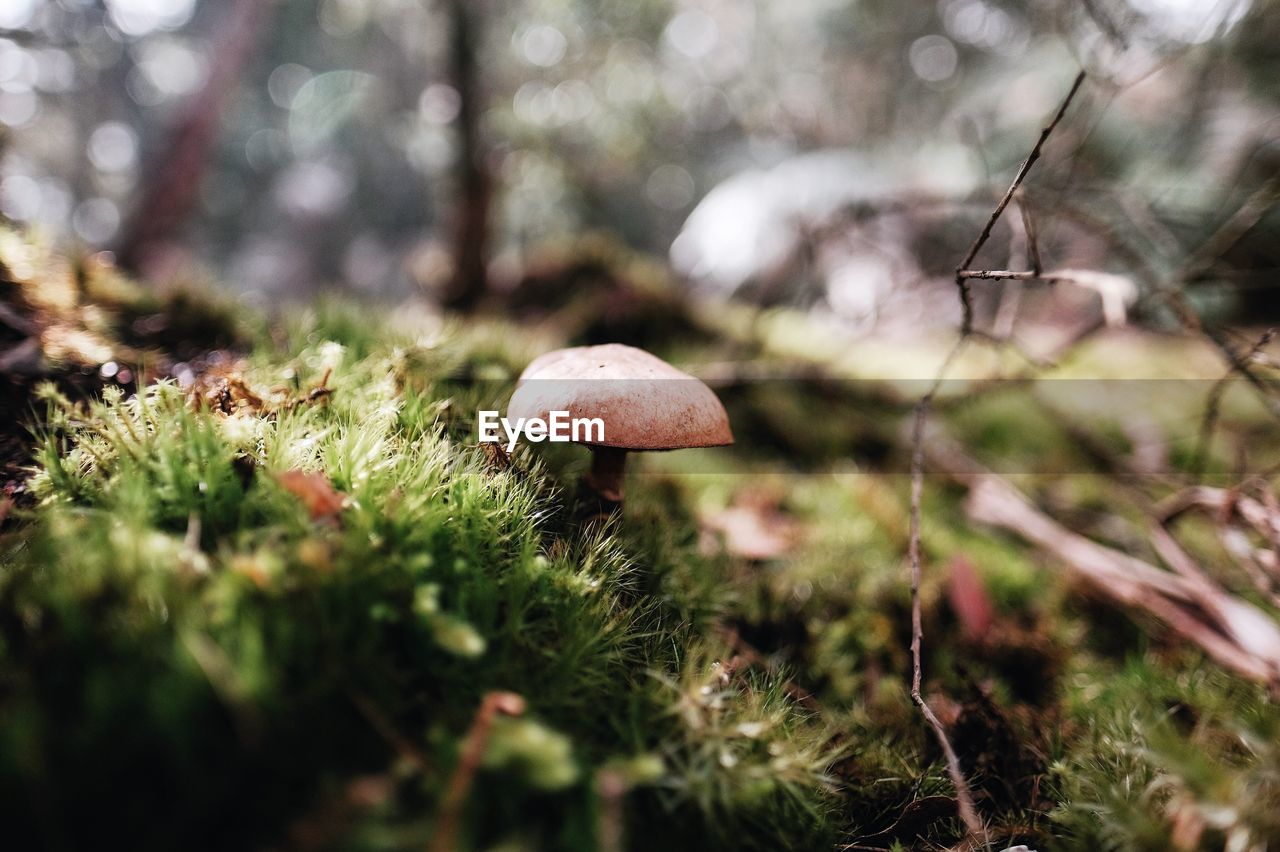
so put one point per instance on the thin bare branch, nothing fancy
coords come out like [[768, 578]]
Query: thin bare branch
[[1241, 222], [449, 824], [1209, 418], [962, 278], [964, 797], [1266, 392], [977, 833], [1231, 631], [1201, 261], [1224, 502]]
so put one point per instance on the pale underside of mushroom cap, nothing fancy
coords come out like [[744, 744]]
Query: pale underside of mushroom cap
[[645, 403]]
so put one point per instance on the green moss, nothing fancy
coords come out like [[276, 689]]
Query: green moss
[[191, 654], [171, 595]]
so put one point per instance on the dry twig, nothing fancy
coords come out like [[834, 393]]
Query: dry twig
[[963, 271], [1202, 261], [1233, 632], [1256, 206], [506, 703], [1262, 564], [964, 798], [1209, 419]]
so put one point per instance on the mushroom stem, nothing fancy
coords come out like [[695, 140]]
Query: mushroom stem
[[608, 470]]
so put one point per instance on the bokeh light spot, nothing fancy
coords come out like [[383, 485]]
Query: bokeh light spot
[[543, 45], [140, 17], [113, 147], [15, 14], [933, 58], [439, 103], [96, 220], [693, 33]]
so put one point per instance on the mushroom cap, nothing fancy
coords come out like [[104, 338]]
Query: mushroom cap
[[645, 403]]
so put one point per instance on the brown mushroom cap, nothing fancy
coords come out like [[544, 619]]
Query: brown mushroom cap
[[645, 403]]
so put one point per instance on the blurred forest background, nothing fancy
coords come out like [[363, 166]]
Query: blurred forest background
[[395, 147]]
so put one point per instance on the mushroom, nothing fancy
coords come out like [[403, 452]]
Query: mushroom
[[644, 403]]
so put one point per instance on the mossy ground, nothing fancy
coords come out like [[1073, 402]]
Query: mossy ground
[[192, 654]]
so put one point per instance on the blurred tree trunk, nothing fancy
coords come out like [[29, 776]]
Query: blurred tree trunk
[[474, 184], [171, 186]]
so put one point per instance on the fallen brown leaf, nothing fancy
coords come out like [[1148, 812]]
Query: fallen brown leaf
[[969, 600], [315, 492], [753, 531]]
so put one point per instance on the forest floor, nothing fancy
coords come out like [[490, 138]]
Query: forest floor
[[276, 597]]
